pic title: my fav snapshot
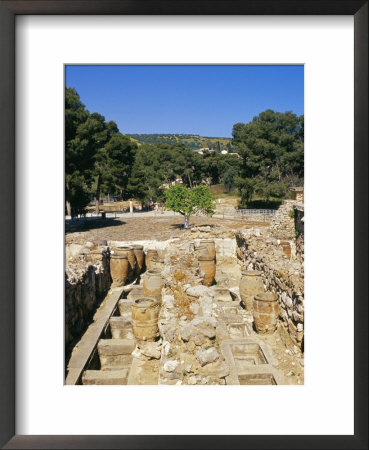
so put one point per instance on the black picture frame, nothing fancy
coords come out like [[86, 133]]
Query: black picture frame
[[8, 11]]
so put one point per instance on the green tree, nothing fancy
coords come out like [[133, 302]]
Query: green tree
[[97, 157], [120, 152], [229, 178], [246, 187], [91, 137], [77, 162], [272, 151], [196, 201], [152, 167]]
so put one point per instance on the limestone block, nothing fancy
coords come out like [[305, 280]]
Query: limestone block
[[105, 377], [150, 349], [195, 308], [206, 356], [298, 318], [114, 353], [125, 307], [121, 328], [170, 365], [199, 291], [206, 305]]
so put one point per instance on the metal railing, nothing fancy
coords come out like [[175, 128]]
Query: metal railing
[[266, 212]]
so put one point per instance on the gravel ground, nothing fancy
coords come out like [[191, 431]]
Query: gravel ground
[[147, 227]]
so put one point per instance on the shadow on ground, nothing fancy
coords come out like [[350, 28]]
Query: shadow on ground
[[83, 224], [180, 226]]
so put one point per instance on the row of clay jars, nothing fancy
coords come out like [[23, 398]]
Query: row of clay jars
[[126, 263]]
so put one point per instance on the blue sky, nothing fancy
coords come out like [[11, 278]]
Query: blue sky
[[204, 100]]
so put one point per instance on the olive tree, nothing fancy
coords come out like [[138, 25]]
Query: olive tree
[[196, 201]]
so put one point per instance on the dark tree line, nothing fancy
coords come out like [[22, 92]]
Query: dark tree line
[[101, 160], [272, 151], [98, 158]]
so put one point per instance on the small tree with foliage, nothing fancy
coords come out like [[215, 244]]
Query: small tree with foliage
[[196, 201]]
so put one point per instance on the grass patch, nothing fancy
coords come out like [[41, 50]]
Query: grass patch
[[219, 191]]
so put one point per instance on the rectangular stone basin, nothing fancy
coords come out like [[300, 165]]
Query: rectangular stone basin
[[246, 355], [229, 310], [237, 330], [257, 379]]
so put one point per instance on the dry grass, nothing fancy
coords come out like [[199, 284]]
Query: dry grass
[[179, 276], [182, 302]]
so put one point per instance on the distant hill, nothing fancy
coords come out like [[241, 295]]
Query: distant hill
[[192, 141]]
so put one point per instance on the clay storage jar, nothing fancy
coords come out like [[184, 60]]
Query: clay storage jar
[[119, 267], [202, 250], [157, 263], [140, 258], [286, 248], [153, 284], [145, 313], [222, 294], [210, 244], [149, 255], [136, 292], [251, 284], [131, 259], [207, 265], [266, 312]]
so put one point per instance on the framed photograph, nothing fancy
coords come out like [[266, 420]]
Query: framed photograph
[[167, 214]]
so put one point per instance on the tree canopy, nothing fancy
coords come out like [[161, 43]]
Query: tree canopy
[[100, 160], [272, 151], [186, 201], [97, 157]]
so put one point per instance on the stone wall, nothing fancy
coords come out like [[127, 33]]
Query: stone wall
[[283, 221], [265, 218], [259, 250], [300, 197], [120, 206], [87, 280]]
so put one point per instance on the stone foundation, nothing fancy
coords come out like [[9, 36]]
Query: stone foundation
[[283, 221], [87, 280], [259, 250]]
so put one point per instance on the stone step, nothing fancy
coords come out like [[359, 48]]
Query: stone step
[[107, 377], [115, 353], [121, 328], [125, 308]]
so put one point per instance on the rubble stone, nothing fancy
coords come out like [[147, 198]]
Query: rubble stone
[[206, 356]]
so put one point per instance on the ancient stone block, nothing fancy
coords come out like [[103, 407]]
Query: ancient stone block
[[105, 377]]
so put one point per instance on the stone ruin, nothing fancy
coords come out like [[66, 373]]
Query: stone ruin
[[205, 333]]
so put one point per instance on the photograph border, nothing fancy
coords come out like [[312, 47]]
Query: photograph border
[[8, 12]]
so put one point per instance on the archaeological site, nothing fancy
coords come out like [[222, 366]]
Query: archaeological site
[[148, 302]]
